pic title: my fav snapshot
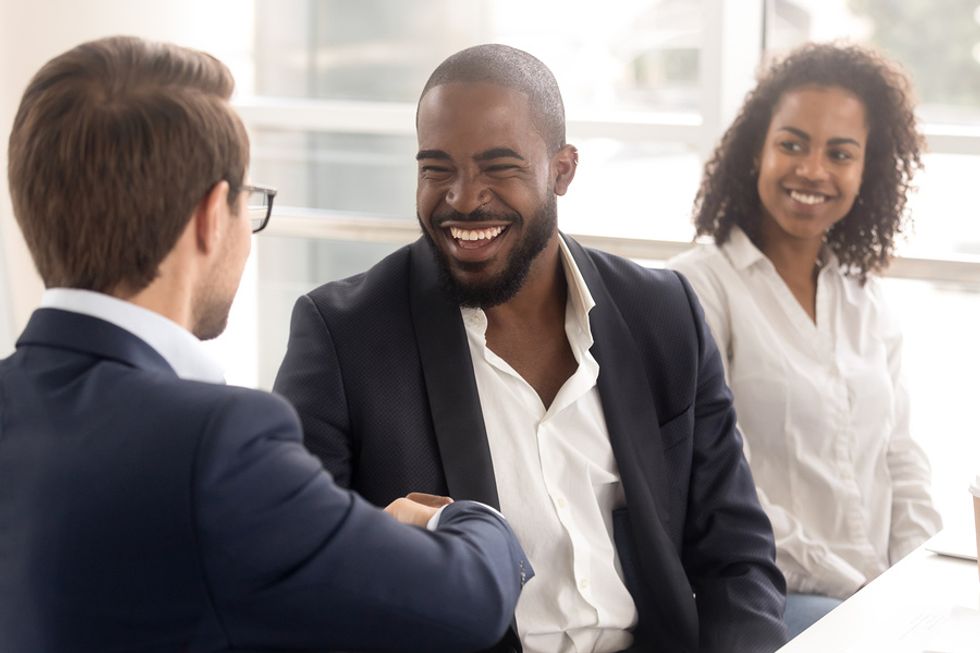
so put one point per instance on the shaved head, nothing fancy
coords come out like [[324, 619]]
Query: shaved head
[[511, 68]]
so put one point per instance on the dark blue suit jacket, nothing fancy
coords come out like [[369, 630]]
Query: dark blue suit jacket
[[141, 512], [379, 368]]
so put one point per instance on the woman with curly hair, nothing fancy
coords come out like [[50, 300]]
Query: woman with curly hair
[[804, 198]]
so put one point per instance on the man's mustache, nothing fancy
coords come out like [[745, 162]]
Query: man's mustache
[[478, 215]]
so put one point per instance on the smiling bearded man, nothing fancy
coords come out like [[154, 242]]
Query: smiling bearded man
[[497, 359], [503, 287]]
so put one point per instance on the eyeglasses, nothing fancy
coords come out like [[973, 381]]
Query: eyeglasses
[[259, 206]]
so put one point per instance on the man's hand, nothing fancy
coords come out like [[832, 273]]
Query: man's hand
[[417, 508]]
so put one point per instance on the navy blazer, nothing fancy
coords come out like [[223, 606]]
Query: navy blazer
[[141, 512], [379, 369]]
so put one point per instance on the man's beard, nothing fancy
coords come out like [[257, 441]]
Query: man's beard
[[501, 288], [210, 320], [212, 303]]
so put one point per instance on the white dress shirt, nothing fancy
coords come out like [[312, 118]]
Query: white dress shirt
[[824, 411], [558, 484], [178, 346]]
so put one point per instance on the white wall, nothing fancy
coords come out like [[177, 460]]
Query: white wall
[[33, 32]]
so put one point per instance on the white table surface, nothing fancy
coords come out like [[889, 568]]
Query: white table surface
[[925, 603]]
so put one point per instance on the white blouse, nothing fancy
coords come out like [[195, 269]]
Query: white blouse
[[824, 412]]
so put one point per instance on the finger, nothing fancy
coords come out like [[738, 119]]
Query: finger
[[410, 512], [431, 500], [395, 506]]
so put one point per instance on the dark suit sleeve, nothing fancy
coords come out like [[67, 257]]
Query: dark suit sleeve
[[292, 561], [729, 551], [310, 378]]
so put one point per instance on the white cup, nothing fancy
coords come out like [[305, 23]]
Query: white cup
[[975, 491]]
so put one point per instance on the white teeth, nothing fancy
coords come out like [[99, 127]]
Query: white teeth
[[475, 234], [806, 198]]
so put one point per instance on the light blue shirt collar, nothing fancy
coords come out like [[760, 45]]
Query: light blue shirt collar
[[178, 346]]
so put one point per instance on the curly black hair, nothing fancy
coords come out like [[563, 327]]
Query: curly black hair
[[864, 241]]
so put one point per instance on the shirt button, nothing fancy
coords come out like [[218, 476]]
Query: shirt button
[[562, 504], [583, 584]]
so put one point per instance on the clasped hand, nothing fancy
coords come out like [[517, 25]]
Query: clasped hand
[[417, 508]]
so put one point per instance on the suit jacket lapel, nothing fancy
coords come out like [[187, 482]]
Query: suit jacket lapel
[[450, 384], [634, 433], [624, 388], [52, 327]]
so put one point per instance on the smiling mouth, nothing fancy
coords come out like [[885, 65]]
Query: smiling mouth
[[810, 199], [475, 238]]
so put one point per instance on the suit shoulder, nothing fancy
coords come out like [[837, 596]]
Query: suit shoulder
[[235, 424], [216, 403], [386, 280], [626, 279], [658, 305]]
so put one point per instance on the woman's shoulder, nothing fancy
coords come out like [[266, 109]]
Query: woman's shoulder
[[868, 303], [868, 291], [700, 259], [707, 267]]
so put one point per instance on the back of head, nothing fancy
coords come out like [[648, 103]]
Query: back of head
[[114, 144], [509, 67]]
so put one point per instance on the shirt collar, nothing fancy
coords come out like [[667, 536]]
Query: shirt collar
[[179, 347], [578, 292], [743, 253], [581, 301]]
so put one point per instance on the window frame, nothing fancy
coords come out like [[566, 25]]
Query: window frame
[[734, 41]]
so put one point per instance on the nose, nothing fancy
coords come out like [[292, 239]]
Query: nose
[[811, 167], [467, 194]]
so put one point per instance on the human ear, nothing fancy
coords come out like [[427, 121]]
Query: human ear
[[207, 217], [565, 163]]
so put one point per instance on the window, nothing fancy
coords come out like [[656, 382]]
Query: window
[[337, 83], [648, 88], [358, 70]]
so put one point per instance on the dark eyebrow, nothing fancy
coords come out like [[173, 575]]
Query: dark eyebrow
[[796, 132], [431, 154], [498, 153], [833, 141]]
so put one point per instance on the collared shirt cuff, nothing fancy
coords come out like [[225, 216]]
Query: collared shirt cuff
[[835, 580], [901, 548], [433, 522]]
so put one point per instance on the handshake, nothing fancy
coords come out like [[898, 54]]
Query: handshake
[[417, 508]]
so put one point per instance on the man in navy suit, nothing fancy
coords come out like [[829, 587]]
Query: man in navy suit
[[144, 506], [496, 359]]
